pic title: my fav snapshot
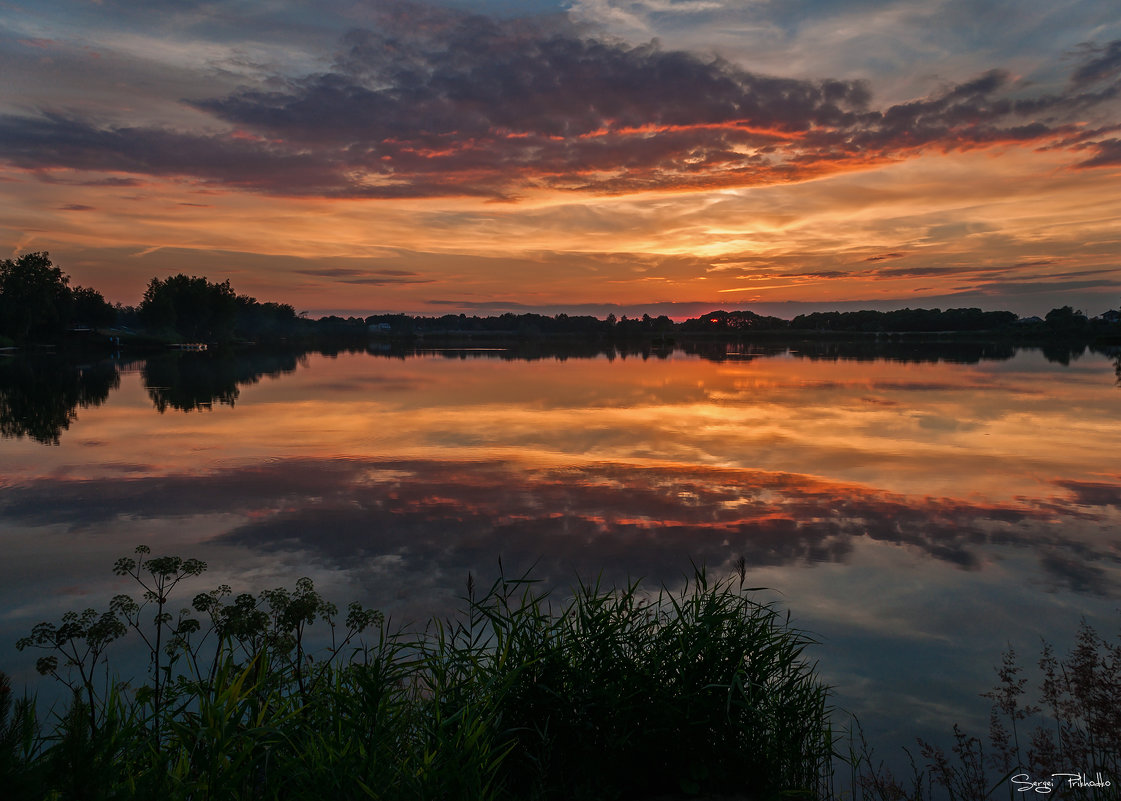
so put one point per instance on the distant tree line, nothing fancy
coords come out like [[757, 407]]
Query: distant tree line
[[1062, 321], [524, 325], [37, 303], [866, 321], [907, 320]]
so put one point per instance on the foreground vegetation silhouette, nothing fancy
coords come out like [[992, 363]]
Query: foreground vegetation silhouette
[[1063, 743], [613, 693]]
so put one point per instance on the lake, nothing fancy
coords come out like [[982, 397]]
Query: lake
[[918, 508]]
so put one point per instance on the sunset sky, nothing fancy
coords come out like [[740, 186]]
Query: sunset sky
[[589, 156]]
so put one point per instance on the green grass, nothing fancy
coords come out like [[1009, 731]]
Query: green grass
[[610, 693]]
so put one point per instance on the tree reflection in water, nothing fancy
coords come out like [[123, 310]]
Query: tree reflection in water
[[193, 381], [40, 396], [40, 399]]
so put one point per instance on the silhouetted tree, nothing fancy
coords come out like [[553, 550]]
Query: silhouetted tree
[[256, 320], [35, 297], [90, 308], [192, 307], [732, 322], [1066, 320]]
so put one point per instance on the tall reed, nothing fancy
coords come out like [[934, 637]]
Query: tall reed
[[1064, 743], [608, 693]]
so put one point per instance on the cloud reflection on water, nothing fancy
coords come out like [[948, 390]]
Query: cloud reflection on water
[[439, 517]]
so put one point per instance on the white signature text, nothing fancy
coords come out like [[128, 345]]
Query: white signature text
[[1023, 783]]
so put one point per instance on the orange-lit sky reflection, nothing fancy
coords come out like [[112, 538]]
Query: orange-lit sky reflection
[[941, 428]]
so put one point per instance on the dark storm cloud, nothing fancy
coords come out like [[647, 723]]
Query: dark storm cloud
[[731, 271], [816, 274], [1043, 286], [1101, 62], [55, 140], [485, 305], [625, 519], [346, 275], [1087, 493], [886, 256], [916, 272], [1108, 154], [1075, 574], [430, 102], [496, 109], [111, 181], [480, 78], [992, 273]]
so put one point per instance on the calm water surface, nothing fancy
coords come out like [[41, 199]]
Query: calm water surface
[[917, 516]]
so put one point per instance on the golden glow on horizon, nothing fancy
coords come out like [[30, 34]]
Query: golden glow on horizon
[[932, 212]]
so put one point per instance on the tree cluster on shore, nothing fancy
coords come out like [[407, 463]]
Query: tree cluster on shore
[[37, 301], [201, 311], [37, 304]]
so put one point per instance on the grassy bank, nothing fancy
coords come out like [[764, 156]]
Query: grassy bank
[[613, 693]]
